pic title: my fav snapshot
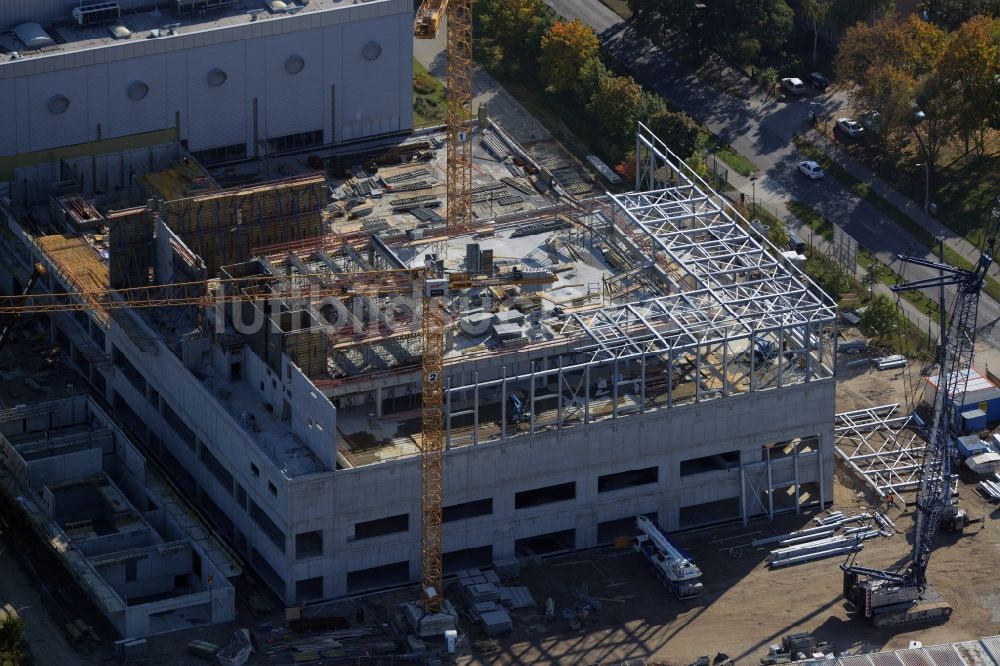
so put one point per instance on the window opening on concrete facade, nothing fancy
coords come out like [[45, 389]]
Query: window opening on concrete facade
[[217, 469], [382, 526], [467, 558], [268, 526], [266, 571], [297, 141], [237, 151], [309, 588], [791, 447], [609, 530], [273, 489], [177, 425], [539, 496], [627, 479], [216, 514], [240, 495], [308, 544], [713, 463], [710, 513], [376, 577], [546, 544], [483, 507], [254, 470]]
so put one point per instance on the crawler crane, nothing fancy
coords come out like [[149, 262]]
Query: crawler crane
[[903, 596]]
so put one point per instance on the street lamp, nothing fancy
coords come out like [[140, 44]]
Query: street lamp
[[919, 117], [927, 184], [753, 183]]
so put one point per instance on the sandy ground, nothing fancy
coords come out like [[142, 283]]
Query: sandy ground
[[746, 607]]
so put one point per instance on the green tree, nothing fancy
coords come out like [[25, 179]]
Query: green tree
[[619, 104], [816, 12], [871, 278], [846, 13], [678, 130], [778, 235], [515, 26], [591, 78], [565, 48], [11, 635], [951, 13], [880, 316]]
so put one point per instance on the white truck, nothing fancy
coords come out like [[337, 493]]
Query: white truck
[[672, 568]]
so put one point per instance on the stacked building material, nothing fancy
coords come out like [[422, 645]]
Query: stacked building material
[[516, 597], [494, 145], [496, 622], [509, 568], [890, 362], [406, 175], [990, 490]]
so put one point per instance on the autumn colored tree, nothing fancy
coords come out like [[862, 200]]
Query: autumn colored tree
[[889, 62], [565, 48], [970, 67], [620, 104]]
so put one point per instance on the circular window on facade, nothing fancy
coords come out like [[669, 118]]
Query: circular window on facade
[[137, 90], [216, 78], [58, 104], [371, 50], [294, 64]]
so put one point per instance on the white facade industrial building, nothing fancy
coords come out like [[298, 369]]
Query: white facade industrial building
[[231, 82]]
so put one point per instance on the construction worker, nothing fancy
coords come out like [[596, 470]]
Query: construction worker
[[889, 503]]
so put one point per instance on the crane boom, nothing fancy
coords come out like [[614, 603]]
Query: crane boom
[[897, 597]]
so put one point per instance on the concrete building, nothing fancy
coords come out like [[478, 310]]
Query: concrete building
[[229, 80], [657, 359], [121, 531]]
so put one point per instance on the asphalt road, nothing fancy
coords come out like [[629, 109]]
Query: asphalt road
[[762, 130]]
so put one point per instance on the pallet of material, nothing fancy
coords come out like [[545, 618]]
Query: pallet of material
[[517, 185], [202, 649]]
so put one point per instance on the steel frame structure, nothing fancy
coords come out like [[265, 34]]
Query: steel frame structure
[[882, 447]]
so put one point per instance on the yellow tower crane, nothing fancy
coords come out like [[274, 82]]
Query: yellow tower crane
[[459, 216]]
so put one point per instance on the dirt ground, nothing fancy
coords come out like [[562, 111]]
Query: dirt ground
[[747, 607]]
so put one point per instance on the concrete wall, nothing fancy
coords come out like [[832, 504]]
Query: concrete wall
[[65, 467], [338, 90], [661, 438]]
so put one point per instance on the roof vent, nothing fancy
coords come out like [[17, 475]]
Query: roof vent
[[33, 36], [277, 6]]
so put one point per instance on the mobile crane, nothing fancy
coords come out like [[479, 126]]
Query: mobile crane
[[672, 568], [903, 596]]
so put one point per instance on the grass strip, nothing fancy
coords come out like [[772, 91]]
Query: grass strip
[[864, 191]]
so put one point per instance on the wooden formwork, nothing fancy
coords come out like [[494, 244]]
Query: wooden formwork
[[224, 227], [79, 264]]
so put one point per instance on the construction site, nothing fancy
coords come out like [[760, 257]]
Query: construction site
[[445, 396]]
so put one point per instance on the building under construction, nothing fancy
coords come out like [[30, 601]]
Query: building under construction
[[625, 354]]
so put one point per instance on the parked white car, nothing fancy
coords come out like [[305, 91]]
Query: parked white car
[[851, 128], [793, 86], [811, 169]]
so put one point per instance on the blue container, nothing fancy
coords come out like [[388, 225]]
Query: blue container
[[974, 420]]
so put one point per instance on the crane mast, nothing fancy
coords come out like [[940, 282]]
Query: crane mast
[[903, 596], [458, 172]]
